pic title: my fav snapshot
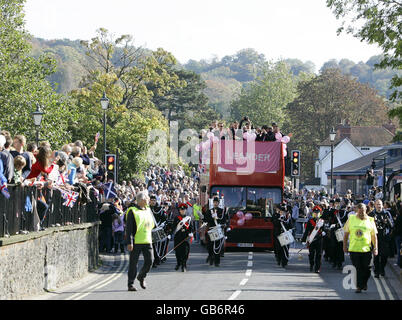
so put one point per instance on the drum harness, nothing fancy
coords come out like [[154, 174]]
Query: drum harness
[[286, 252], [217, 248], [163, 243]]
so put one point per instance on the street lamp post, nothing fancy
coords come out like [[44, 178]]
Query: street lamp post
[[332, 136], [37, 117], [104, 104]]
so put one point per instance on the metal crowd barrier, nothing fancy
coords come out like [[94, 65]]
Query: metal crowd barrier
[[20, 214]]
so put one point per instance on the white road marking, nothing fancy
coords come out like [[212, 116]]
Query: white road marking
[[387, 289], [379, 289], [90, 289], [235, 295], [243, 282]]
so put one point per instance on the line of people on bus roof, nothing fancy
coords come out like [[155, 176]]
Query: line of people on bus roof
[[237, 130]]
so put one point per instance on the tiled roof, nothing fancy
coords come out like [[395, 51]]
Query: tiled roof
[[360, 165], [364, 137]]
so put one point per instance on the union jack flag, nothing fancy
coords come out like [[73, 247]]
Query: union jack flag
[[70, 198], [4, 191]]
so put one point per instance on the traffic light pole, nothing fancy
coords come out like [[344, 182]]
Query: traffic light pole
[[117, 165], [332, 170], [104, 136]]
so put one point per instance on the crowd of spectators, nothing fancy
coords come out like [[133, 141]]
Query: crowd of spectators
[[69, 168], [170, 186]]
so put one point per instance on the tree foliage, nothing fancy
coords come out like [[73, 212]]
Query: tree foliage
[[325, 101], [23, 83], [264, 100], [139, 84], [375, 21]]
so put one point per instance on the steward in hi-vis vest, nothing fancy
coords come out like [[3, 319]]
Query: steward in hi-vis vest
[[139, 225], [142, 225], [361, 231]]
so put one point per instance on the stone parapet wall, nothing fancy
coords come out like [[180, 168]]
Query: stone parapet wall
[[47, 260]]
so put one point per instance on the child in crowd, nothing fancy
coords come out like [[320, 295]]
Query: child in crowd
[[19, 164]]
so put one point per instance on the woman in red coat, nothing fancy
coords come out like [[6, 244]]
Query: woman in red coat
[[42, 164]]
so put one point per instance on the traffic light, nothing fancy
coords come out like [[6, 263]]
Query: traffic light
[[111, 166], [295, 164]]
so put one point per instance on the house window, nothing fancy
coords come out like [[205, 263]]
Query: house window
[[364, 148]]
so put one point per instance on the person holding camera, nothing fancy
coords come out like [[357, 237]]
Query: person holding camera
[[384, 224]]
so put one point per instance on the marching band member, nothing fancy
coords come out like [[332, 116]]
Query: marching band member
[[214, 217], [315, 247], [281, 217], [384, 224], [183, 234], [168, 229], [327, 213], [338, 218], [160, 219]]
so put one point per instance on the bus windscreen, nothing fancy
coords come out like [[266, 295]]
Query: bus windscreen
[[242, 197]]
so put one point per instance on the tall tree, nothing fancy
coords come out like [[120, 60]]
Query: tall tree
[[135, 82], [182, 102], [264, 99], [322, 103], [23, 83], [375, 21]]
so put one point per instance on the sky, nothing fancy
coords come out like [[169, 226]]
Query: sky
[[195, 29]]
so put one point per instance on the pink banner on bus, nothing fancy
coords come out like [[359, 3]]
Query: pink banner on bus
[[251, 156]]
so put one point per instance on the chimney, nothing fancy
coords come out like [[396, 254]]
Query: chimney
[[390, 127], [345, 130]]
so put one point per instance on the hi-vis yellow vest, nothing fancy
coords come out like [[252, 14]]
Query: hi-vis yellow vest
[[196, 209], [360, 233], [145, 223]]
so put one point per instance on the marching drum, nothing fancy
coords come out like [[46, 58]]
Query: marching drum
[[158, 234], [216, 233], [286, 238], [339, 234]]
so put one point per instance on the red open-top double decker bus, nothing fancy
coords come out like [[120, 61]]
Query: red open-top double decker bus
[[256, 191]]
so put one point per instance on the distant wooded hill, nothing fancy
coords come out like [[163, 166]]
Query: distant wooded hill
[[224, 77]]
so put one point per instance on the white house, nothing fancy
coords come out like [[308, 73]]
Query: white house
[[351, 142]]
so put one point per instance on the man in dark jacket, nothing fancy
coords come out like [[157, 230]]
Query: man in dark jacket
[[397, 232], [281, 217], [160, 218], [105, 229], [315, 247], [7, 159], [214, 217], [182, 237], [384, 224]]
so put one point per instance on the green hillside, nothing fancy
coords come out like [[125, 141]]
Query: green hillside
[[224, 77]]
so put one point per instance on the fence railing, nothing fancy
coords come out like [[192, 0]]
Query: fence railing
[[23, 212]]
